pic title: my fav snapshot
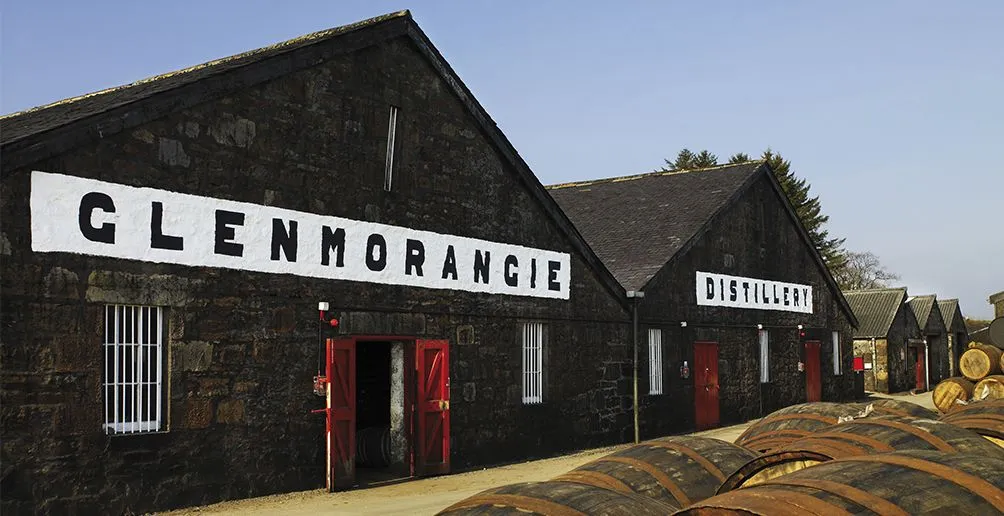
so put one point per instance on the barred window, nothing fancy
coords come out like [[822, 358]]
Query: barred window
[[533, 363], [764, 356], [655, 361], [836, 353], [134, 365]]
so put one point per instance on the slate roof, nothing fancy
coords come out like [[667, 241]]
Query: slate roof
[[922, 307], [875, 309], [950, 312], [35, 134], [43, 118], [635, 224]]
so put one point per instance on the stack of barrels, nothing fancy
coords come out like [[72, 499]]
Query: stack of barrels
[[981, 366], [880, 457]]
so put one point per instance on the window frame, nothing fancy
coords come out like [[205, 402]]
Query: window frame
[[838, 365], [763, 340], [533, 347], [146, 350], [655, 370]]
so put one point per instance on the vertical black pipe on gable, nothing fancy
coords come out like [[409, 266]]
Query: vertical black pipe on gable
[[635, 296]]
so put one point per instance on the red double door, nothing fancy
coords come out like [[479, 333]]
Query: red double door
[[427, 398], [813, 375], [706, 408]]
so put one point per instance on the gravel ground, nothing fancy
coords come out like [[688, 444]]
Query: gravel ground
[[430, 495]]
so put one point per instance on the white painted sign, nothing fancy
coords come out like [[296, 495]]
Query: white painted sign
[[751, 293], [85, 216]]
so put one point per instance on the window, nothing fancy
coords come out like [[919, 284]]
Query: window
[[655, 361], [134, 365], [836, 353], [388, 173], [764, 356], [533, 363]]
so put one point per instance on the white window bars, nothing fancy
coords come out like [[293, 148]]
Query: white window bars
[[655, 361], [533, 367], [134, 360], [764, 356], [836, 353]]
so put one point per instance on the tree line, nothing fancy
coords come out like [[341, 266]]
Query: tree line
[[852, 270]]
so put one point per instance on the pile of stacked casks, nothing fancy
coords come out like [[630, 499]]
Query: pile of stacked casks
[[884, 457], [982, 379]]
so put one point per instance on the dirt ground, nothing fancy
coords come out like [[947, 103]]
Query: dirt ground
[[430, 495]]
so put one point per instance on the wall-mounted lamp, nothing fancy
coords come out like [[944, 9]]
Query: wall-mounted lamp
[[322, 306], [683, 324], [759, 326], [635, 294], [799, 326]]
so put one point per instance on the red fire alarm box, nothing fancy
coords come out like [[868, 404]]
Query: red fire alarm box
[[859, 363]]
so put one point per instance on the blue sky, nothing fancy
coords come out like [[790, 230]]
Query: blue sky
[[893, 110]]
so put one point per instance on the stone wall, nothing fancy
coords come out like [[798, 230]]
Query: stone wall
[[753, 238], [243, 345]]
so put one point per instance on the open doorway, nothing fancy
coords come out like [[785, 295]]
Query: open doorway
[[381, 434]]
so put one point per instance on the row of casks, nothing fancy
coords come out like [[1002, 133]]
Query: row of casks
[[823, 458], [981, 366]]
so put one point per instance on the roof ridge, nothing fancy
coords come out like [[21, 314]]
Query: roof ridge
[[864, 290], [317, 35], [617, 179]]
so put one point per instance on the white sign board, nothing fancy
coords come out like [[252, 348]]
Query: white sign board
[[85, 216], [752, 293]]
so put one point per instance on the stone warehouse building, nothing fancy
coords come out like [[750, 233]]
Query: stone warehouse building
[[888, 340], [739, 314], [167, 245], [933, 331], [955, 332]]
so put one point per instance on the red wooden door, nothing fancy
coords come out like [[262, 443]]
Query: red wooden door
[[919, 368], [341, 438], [706, 384], [432, 450], [813, 378]]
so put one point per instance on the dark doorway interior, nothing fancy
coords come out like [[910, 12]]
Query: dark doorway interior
[[378, 452]]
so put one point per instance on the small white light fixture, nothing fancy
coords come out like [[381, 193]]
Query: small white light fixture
[[635, 294], [683, 324], [799, 326], [322, 306], [759, 326]]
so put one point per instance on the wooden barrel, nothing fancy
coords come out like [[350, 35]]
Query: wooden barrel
[[983, 417], [890, 484], [865, 436], [949, 390], [891, 407], [789, 424], [675, 470], [989, 388], [373, 447], [980, 361], [557, 498]]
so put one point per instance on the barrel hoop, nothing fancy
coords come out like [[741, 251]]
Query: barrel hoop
[[690, 452], [833, 449], [977, 485], [769, 442], [656, 473], [982, 427], [779, 502], [996, 419], [778, 435], [812, 417], [924, 435], [758, 464], [595, 479], [861, 497], [857, 438], [521, 502]]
